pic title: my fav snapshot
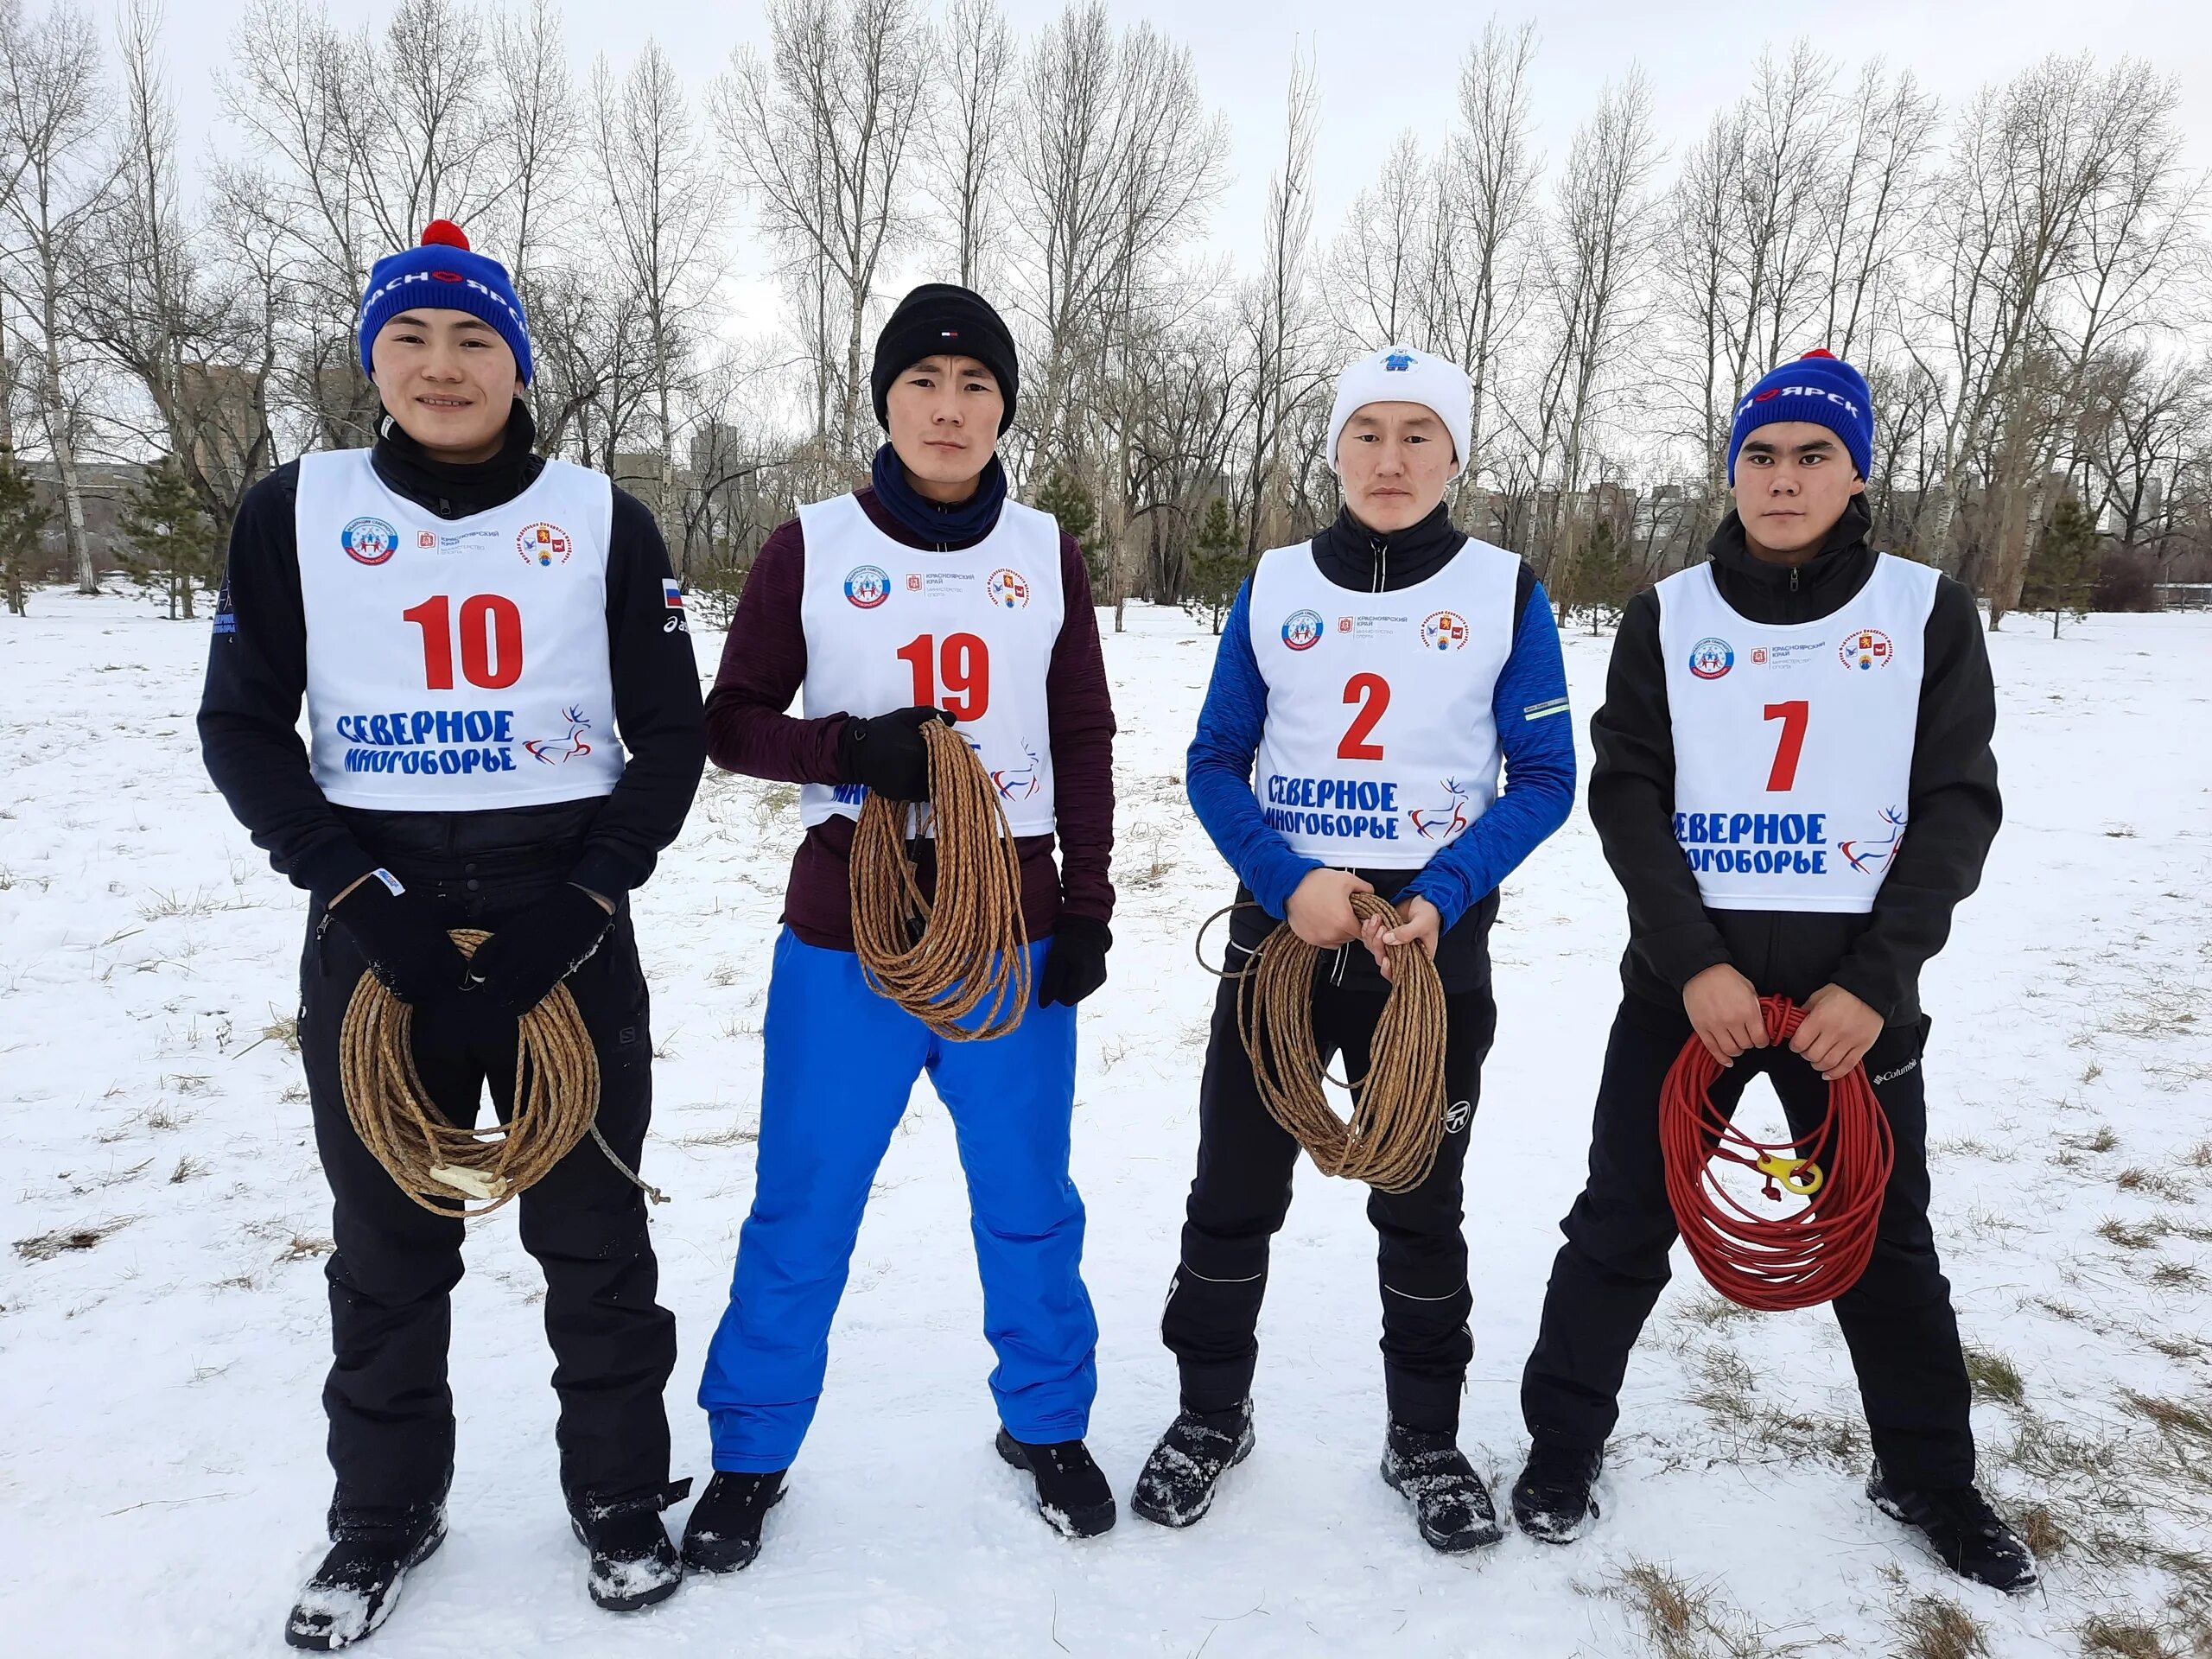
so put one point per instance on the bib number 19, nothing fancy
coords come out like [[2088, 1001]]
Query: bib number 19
[[961, 663]]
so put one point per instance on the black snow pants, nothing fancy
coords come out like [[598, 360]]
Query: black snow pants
[[395, 1263], [1897, 1320], [1241, 1195]]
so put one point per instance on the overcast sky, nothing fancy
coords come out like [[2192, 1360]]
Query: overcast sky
[[1383, 67]]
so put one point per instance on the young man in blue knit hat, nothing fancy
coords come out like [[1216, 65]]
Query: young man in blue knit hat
[[927, 595], [1794, 784], [1372, 685], [471, 626]]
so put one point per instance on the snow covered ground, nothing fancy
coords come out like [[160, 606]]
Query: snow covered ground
[[161, 1311]]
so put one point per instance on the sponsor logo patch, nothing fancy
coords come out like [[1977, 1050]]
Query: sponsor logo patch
[[1865, 648], [1007, 589], [1444, 631], [1301, 630], [1710, 658], [543, 544], [369, 541], [867, 586]]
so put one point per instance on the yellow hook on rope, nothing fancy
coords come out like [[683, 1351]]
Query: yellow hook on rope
[[1786, 1170]]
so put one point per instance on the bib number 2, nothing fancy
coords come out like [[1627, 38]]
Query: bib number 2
[[961, 663], [1372, 693]]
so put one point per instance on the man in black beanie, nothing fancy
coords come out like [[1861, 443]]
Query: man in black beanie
[[928, 596], [941, 319]]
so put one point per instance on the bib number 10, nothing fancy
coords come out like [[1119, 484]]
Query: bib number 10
[[961, 663], [491, 640]]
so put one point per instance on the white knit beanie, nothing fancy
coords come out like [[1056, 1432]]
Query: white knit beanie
[[1400, 375]]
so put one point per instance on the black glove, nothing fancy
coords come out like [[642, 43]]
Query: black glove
[[399, 936], [1075, 966], [518, 966], [888, 752]]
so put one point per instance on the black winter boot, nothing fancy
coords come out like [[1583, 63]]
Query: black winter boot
[[632, 1563], [1969, 1536], [1072, 1494], [1450, 1500], [724, 1532], [355, 1588], [1180, 1476], [1553, 1500]]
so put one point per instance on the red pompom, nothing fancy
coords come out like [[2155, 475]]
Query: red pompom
[[444, 232], [1817, 351]]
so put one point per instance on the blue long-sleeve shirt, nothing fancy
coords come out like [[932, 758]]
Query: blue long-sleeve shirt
[[1535, 734]]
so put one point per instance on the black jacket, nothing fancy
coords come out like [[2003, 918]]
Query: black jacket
[[256, 676], [1368, 561], [1953, 807]]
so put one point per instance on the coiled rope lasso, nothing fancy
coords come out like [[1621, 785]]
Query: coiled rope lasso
[[442, 1167], [1397, 1119], [1767, 1262], [942, 958]]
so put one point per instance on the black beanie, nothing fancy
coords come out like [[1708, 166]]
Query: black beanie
[[944, 320]]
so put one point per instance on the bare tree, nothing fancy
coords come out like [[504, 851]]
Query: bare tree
[[975, 61], [1875, 201], [1116, 163], [660, 219], [1493, 202], [1600, 250], [52, 106], [819, 133]]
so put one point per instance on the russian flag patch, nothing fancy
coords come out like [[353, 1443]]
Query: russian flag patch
[[671, 592]]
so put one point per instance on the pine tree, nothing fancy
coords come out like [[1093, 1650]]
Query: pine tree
[[1217, 567], [1061, 495], [174, 540], [1605, 580], [2061, 573], [22, 522]]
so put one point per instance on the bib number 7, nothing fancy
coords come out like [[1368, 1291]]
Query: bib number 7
[[1793, 716]]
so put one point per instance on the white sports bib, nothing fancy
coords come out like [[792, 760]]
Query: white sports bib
[[1793, 746], [970, 631], [1380, 746], [456, 664]]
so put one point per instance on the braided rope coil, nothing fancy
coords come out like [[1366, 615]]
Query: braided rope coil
[[444, 1168], [1390, 1140], [967, 949]]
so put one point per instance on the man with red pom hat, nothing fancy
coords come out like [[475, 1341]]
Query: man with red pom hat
[[1774, 719], [504, 732]]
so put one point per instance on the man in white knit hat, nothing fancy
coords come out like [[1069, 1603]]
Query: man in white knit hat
[[1371, 685]]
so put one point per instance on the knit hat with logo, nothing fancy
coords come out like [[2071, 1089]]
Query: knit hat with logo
[[1401, 375], [442, 274], [944, 320], [1820, 387]]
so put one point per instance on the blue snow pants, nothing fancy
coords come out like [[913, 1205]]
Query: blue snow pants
[[838, 1064]]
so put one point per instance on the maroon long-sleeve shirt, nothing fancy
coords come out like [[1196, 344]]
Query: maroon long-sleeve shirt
[[750, 731]]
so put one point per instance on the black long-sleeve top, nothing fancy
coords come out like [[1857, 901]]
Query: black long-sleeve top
[[257, 667], [1954, 806]]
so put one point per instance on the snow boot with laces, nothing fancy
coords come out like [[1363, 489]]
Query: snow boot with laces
[[1184, 1470], [358, 1584], [1450, 1502], [632, 1563], [1552, 1501], [1072, 1493], [724, 1532], [1967, 1534]]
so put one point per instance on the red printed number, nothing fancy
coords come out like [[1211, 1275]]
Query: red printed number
[[491, 641], [1793, 717], [963, 663], [1372, 693]]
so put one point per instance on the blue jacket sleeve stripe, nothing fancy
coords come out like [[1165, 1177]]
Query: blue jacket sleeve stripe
[[1539, 786], [1217, 771]]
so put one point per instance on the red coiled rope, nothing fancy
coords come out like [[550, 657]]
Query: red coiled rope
[[1774, 1263]]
